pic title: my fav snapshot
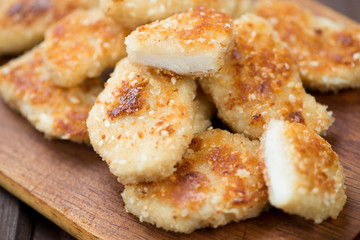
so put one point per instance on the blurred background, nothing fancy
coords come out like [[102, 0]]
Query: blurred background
[[350, 8]]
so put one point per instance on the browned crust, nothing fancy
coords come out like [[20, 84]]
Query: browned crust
[[29, 84], [239, 168]]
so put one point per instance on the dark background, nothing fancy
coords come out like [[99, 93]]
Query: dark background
[[350, 8], [18, 221]]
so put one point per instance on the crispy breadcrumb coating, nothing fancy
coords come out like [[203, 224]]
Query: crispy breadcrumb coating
[[218, 181], [142, 123], [57, 112], [23, 22], [327, 52], [133, 13], [260, 82], [303, 173], [193, 43], [82, 45]]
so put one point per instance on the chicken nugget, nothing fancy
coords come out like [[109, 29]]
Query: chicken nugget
[[57, 112], [260, 81], [142, 123], [191, 44], [133, 13], [218, 181], [328, 52], [23, 22], [303, 173], [242, 7], [82, 45]]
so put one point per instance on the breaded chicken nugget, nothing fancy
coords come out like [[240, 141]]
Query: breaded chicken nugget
[[191, 44], [142, 123], [23, 22], [303, 173], [82, 45], [218, 181], [59, 113], [133, 13], [328, 53], [242, 7], [260, 82], [205, 111]]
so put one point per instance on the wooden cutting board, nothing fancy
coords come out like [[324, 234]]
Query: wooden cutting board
[[69, 184]]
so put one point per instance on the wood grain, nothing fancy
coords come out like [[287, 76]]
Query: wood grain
[[15, 221], [19, 222], [8, 216], [70, 185]]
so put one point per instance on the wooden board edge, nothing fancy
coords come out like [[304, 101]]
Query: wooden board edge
[[44, 209]]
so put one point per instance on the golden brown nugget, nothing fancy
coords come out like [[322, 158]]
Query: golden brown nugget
[[260, 82], [189, 44], [23, 22], [328, 52], [133, 13], [142, 123], [218, 181], [82, 45], [242, 7], [57, 112], [303, 173]]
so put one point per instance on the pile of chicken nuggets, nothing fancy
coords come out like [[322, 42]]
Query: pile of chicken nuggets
[[177, 64]]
